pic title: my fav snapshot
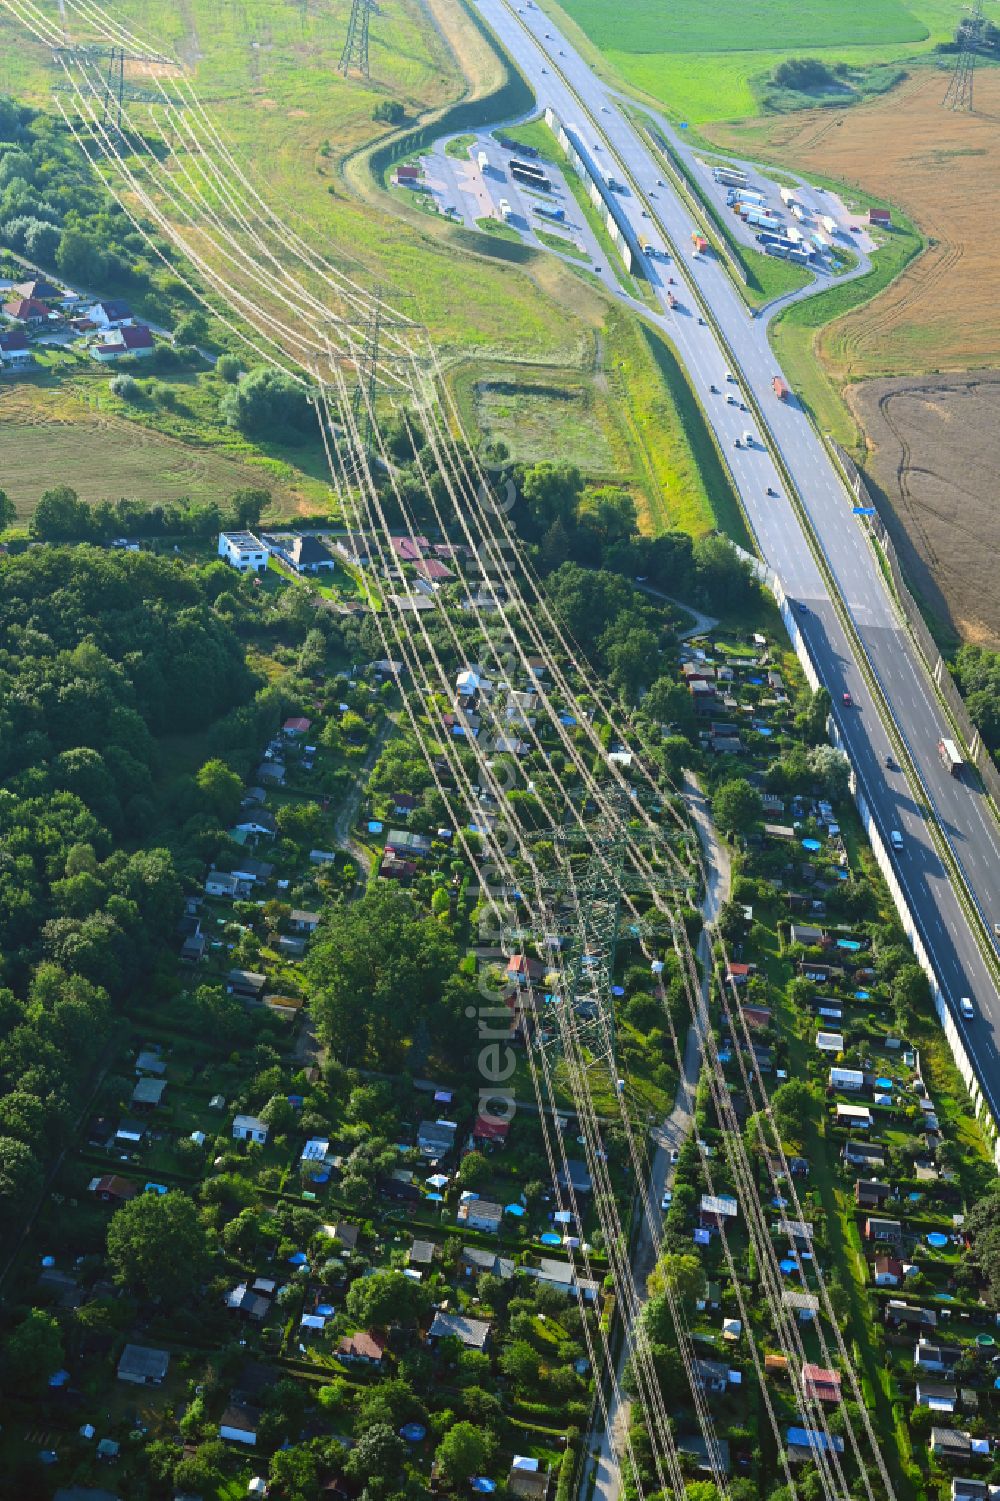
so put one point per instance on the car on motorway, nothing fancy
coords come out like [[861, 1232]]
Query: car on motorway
[[771, 490], [890, 764], [748, 438], [848, 700], [701, 319], [803, 607], [737, 443], [730, 376], [966, 1007], [667, 1200], [731, 399], [896, 839], [660, 183]]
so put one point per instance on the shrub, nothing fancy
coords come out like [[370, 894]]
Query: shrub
[[127, 387], [228, 368]]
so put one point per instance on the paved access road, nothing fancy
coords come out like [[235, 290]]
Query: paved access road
[[550, 64]]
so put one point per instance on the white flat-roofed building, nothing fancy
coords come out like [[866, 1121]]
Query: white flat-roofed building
[[243, 551]]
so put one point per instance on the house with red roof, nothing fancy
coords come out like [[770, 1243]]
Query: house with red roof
[[117, 342], [294, 727], [487, 1129], [27, 310], [820, 1383]]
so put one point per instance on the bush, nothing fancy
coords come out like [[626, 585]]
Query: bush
[[270, 404], [802, 73], [228, 368], [390, 111], [127, 387]]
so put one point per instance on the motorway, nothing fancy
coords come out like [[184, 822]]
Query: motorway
[[551, 65]]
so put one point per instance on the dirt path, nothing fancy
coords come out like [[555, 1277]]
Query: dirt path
[[605, 1444], [342, 837]]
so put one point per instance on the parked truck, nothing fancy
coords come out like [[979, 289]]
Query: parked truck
[[483, 161], [780, 387], [761, 219], [787, 196]]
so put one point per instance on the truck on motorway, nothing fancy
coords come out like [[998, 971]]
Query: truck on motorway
[[780, 387], [549, 211], [699, 242], [671, 300], [951, 757]]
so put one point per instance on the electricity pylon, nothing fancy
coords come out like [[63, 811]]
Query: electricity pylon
[[355, 53], [959, 92], [583, 928]]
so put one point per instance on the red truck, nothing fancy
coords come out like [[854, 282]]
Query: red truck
[[699, 242], [780, 388]]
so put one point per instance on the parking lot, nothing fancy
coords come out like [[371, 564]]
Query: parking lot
[[814, 206], [469, 190]]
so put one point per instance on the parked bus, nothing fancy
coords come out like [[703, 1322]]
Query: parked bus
[[951, 757]]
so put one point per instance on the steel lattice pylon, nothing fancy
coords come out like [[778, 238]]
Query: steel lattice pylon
[[583, 928], [959, 92], [355, 53]]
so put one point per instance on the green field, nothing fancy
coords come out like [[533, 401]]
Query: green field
[[707, 62], [737, 25]]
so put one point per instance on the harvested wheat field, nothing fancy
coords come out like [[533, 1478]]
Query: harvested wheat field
[[934, 451], [941, 169]]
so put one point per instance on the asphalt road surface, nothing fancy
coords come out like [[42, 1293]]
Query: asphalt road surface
[[547, 60]]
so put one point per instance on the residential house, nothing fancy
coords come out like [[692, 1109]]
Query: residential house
[[436, 1138], [363, 1347], [898, 1313], [808, 936], [523, 970], [354, 548], [291, 946], [410, 549], [251, 1305], [271, 772], [421, 1253], [950, 1444], [246, 984], [865, 1154], [475, 1260], [963, 1489], [250, 870], [490, 1129], [295, 726], [239, 1424], [803, 1444], [250, 1128], [561, 1275], [869, 1193], [111, 1189], [148, 1094], [406, 843], [844, 1078], [890, 1231], [480, 1214], [880, 216], [142, 1366], [221, 883], [15, 351], [576, 1175], [527, 1478], [888, 1271], [858, 1117], [820, 1383], [244, 552], [711, 1376], [134, 339], [113, 312], [304, 922], [346, 1233], [257, 821], [939, 1396], [805, 1305], [193, 948], [936, 1357], [393, 868], [473, 1333], [308, 555], [27, 310], [715, 1209]]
